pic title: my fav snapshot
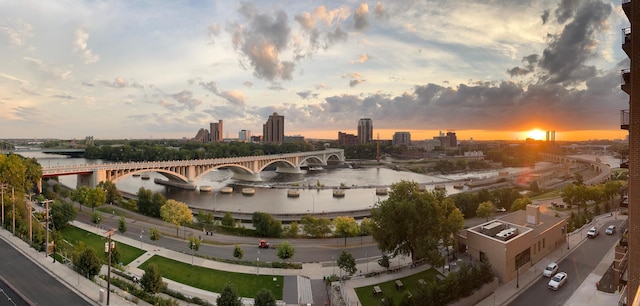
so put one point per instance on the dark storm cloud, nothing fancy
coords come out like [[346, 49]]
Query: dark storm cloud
[[337, 35], [565, 9], [545, 16], [564, 59], [484, 105]]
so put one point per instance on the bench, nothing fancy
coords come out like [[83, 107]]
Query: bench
[[439, 277], [377, 290], [422, 282], [399, 284]]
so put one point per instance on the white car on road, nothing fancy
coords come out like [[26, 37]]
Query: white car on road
[[558, 280], [592, 233], [550, 270]]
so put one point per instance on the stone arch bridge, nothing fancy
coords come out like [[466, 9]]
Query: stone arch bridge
[[245, 168]]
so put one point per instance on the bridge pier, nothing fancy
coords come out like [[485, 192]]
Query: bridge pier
[[249, 177]]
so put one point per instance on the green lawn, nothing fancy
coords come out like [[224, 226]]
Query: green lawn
[[366, 296], [246, 285], [74, 234]]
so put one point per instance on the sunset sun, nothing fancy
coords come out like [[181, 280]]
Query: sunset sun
[[536, 134]]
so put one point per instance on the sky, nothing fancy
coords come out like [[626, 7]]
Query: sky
[[485, 69]]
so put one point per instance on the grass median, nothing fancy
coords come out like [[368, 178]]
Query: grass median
[[91, 240], [246, 285]]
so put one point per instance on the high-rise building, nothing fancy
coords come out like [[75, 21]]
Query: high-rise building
[[215, 131], [631, 122], [273, 130], [401, 139], [365, 130], [244, 136]]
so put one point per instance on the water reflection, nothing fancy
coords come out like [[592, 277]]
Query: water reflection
[[271, 193]]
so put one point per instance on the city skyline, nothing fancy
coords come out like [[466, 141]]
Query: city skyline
[[484, 69]]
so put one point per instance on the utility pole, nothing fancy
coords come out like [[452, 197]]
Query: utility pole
[[3, 186], [108, 249], [30, 224], [13, 204], [46, 244]]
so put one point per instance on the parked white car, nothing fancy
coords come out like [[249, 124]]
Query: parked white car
[[550, 270], [558, 280], [592, 233]]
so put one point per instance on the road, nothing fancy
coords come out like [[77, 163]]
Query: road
[[307, 250], [578, 265], [36, 285]]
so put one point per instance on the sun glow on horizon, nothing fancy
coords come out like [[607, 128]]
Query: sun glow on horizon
[[536, 134]]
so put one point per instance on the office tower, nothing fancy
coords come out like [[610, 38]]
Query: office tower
[[215, 131], [273, 130], [365, 130], [401, 139], [631, 121], [244, 136]]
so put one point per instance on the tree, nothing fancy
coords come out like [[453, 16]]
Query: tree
[[96, 218], [154, 234], [345, 227], [292, 230], [286, 251], [80, 195], [176, 213], [95, 197], [151, 280], [347, 263], [266, 225], [86, 261], [228, 297], [611, 189], [316, 227], [62, 212], [384, 261], [238, 252], [485, 210], [157, 201], [194, 245], [264, 297], [452, 224], [205, 219], [122, 225], [520, 204], [227, 219], [111, 191], [410, 222], [365, 227], [144, 200]]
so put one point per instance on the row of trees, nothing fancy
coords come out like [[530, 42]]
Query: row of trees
[[579, 194]]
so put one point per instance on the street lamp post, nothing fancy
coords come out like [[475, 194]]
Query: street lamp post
[[109, 247], [141, 232], [367, 256]]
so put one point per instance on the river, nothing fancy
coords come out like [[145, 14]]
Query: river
[[362, 183]]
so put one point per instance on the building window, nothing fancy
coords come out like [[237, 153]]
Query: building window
[[538, 245], [523, 258], [543, 244]]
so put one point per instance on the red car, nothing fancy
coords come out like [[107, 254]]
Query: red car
[[263, 244]]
